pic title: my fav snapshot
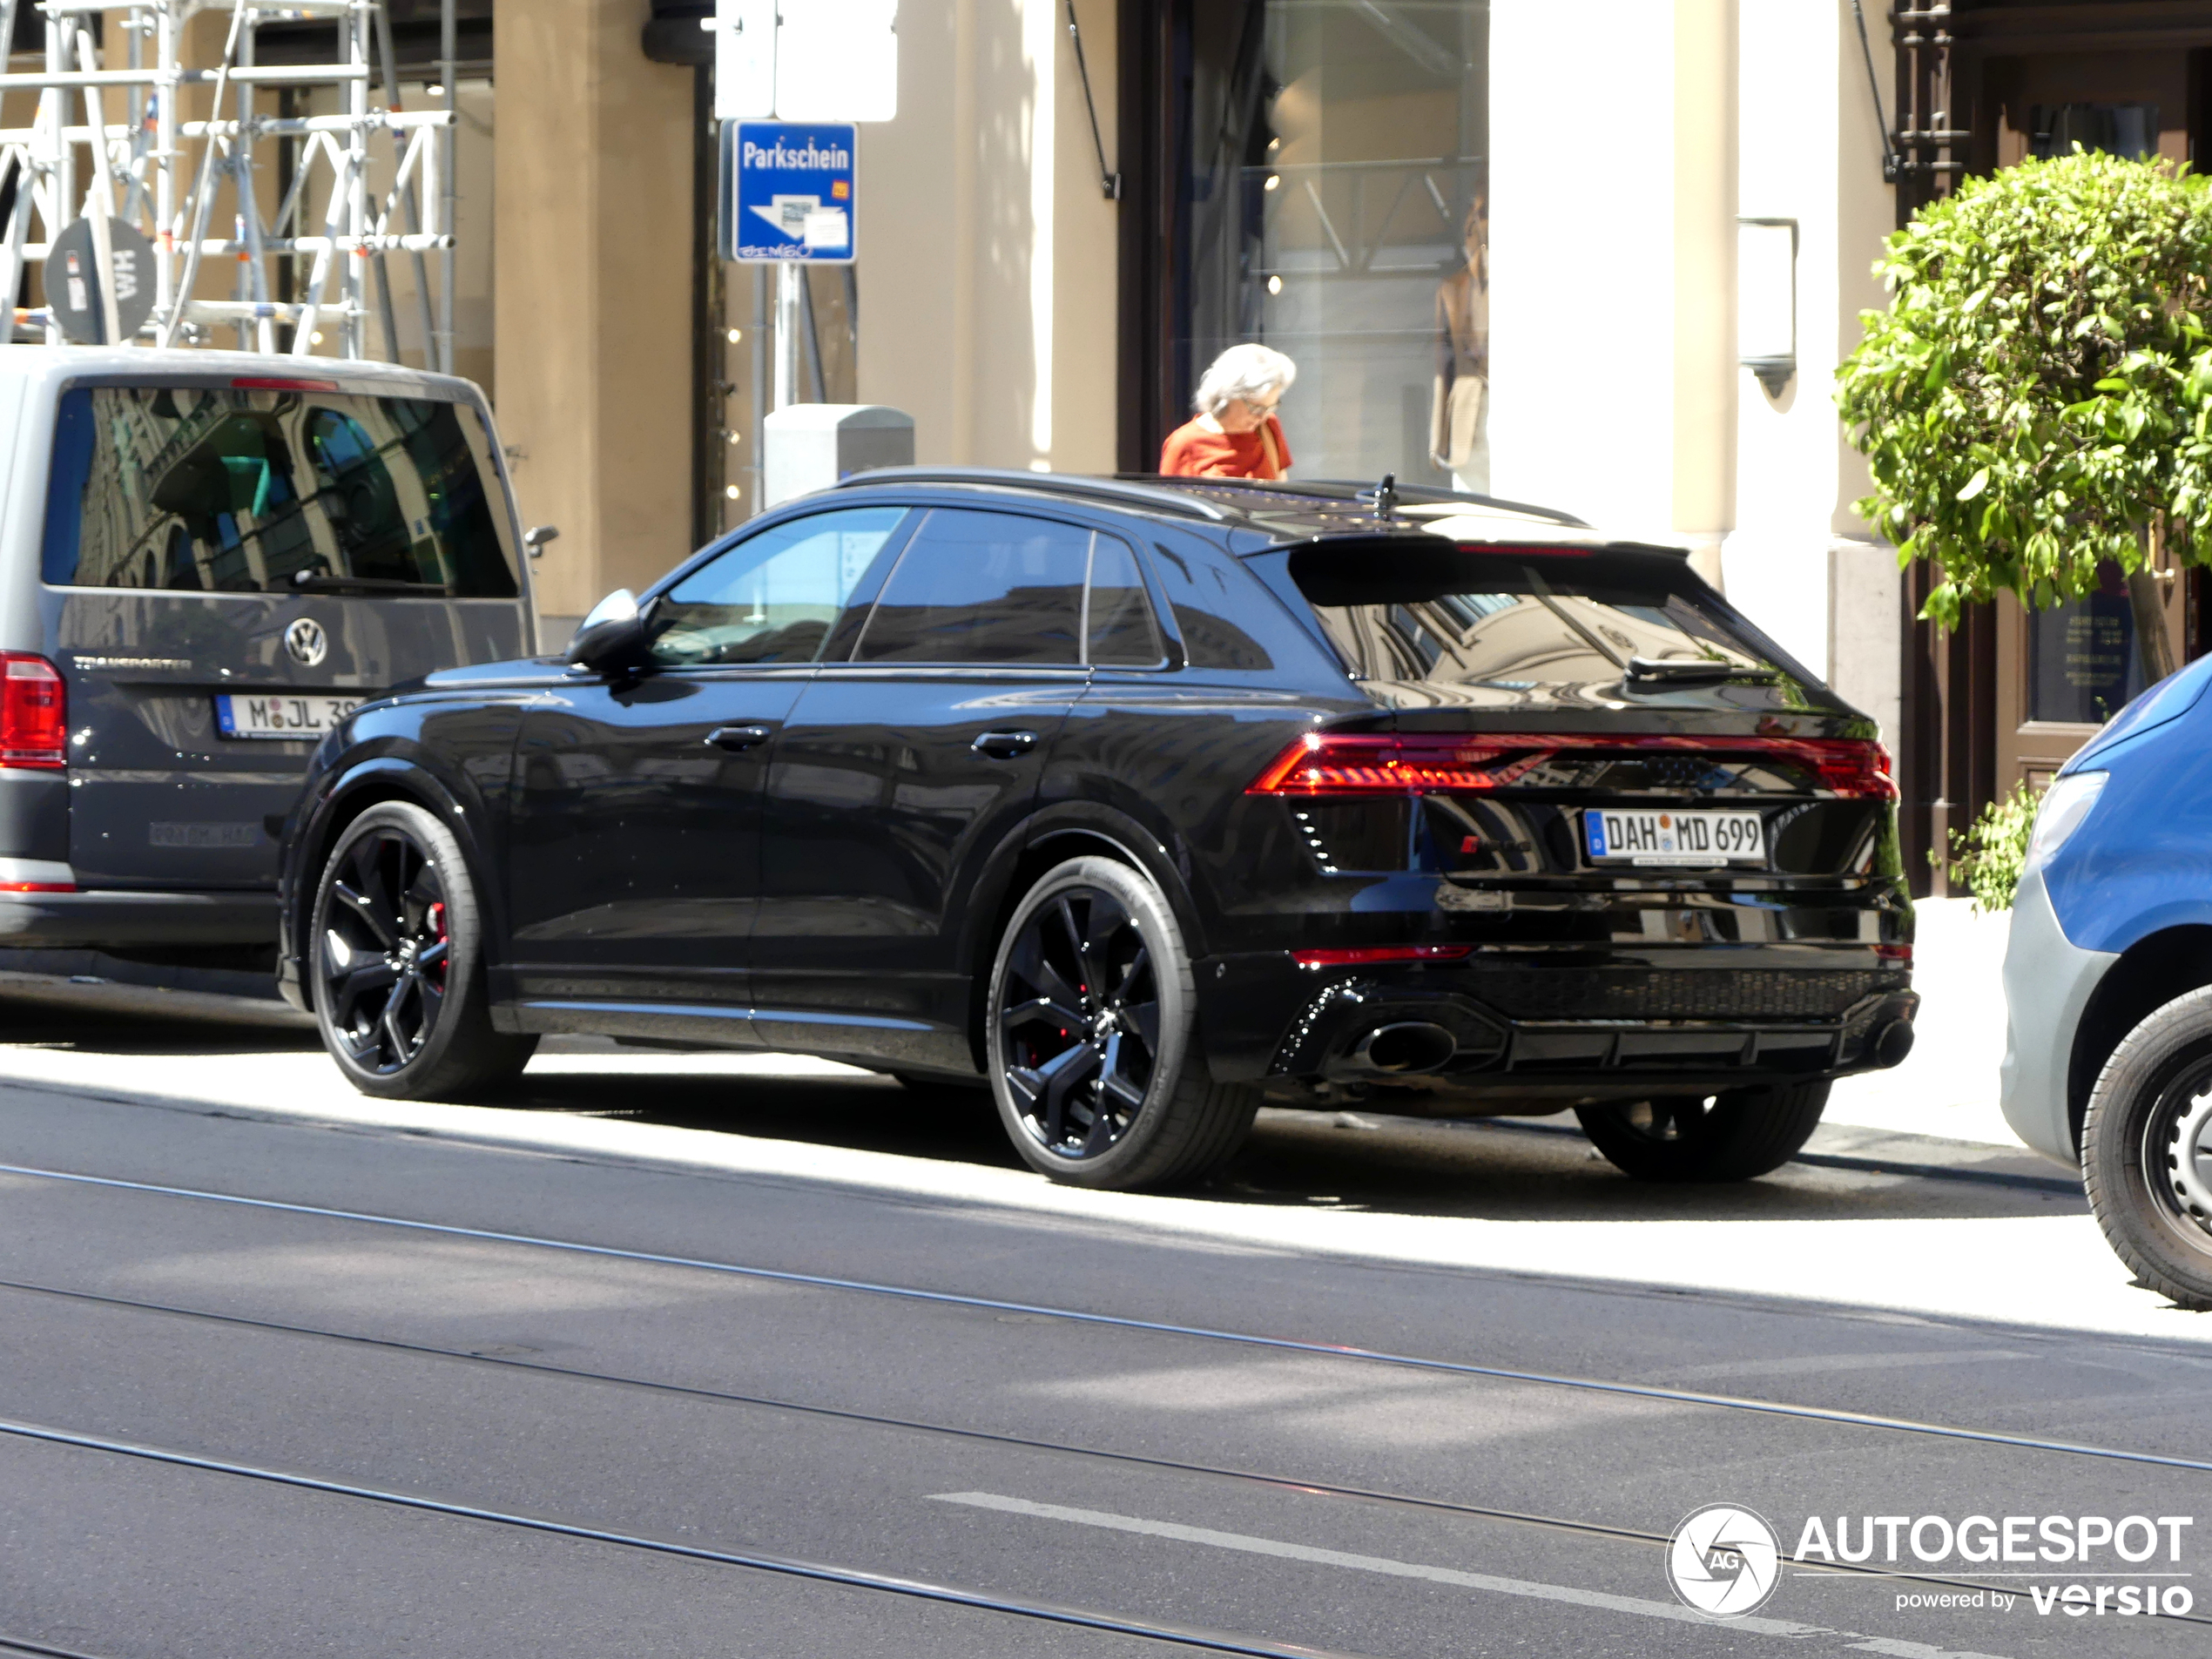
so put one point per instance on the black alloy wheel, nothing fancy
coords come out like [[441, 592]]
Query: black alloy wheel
[[1081, 1013], [1090, 1036], [1731, 1137], [385, 950], [2147, 1151], [395, 961]]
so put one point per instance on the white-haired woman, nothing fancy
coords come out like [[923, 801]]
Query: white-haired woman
[[1235, 433]]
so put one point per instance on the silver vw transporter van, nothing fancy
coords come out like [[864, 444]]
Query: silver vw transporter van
[[205, 559]]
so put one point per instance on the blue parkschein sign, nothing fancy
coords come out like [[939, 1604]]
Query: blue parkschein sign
[[788, 192]]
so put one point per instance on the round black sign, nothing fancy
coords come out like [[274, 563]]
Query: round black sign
[[73, 282]]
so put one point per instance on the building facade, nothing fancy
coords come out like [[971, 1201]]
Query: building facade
[[1604, 255]]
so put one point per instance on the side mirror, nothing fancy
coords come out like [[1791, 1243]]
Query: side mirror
[[537, 536], [612, 636]]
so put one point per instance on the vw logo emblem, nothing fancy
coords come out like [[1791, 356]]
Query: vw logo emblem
[[1724, 1561], [307, 642]]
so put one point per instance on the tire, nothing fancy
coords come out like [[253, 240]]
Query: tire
[[396, 962], [2147, 1151], [1090, 1037], [1734, 1137]]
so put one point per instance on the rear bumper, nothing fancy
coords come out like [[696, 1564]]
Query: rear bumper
[[1561, 1031], [112, 917]]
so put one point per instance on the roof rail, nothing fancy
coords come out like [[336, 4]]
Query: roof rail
[[1363, 490], [1151, 496]]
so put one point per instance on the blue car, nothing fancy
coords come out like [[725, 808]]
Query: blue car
[[2109, 984]]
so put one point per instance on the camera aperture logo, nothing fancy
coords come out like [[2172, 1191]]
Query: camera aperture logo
[[1724, 1561]]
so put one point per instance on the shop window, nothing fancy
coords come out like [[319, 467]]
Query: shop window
[[1333, 204], [2082, 664]]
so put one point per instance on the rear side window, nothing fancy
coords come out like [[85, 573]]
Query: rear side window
[[978, 586], [204, 489], [772, 597], [1217, 610], [1517, 625], [1118, 626]]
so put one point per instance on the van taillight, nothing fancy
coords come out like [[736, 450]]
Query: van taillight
[[34, 712], [1331, 763]]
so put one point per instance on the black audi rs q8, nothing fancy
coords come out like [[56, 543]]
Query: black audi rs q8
[[1147, 803]]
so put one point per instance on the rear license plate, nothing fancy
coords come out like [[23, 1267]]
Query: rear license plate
[[297, 719], [1673, 838]]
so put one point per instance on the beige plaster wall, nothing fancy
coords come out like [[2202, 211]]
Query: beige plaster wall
[[987, 248], [592, 293], [1612, 258], [1704, 332]]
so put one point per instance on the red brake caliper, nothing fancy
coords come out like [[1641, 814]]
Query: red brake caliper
[[437, 921]]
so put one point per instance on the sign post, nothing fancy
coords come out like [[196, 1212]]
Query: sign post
[[790, 198], [791, 78]]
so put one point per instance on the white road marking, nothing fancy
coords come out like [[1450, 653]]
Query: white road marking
[[1250, 1545]]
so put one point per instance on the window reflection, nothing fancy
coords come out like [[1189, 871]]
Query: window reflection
[[1335, 207], [226, 490]]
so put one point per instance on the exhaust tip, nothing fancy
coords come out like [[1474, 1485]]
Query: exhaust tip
[[1894, 1044], [1402, 1049]]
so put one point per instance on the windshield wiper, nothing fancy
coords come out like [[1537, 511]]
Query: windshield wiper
[[1689, 670]]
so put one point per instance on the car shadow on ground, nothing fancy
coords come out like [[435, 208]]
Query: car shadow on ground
[[1511, 1169], [1501, 1170]]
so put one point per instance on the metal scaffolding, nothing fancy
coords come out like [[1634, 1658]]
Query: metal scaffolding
[[161, 173]]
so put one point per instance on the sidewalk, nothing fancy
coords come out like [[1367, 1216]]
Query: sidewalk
[[1948, 1087]]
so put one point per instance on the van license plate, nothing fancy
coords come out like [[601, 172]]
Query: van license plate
[[1673, 838], [296, 718]]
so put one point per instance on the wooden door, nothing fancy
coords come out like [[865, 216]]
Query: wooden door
[[2062, 673]]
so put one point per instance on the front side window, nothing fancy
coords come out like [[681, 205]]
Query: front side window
[[772, 598], [236, 490], [981, 587]]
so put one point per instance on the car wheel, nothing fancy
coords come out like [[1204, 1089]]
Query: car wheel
[[1091, 1037], [2147, 1151], [398, 967], [1733, 1137]]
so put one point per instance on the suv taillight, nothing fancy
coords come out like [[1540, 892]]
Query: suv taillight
[[34, 712], [1322, 763], [1329, 762]]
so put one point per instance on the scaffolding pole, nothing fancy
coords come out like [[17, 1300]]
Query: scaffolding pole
[[161, 173]]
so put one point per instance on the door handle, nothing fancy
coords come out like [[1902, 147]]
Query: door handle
[[735, 738], [1004, 745]]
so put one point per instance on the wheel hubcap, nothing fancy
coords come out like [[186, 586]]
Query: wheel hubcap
[[384, 949], [1079, 1023], [2177, 1159]]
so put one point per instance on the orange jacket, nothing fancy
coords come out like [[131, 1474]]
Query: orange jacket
[[1193, 452]]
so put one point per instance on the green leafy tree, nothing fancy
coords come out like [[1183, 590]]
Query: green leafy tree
[[1987, 858], [2036, 399]]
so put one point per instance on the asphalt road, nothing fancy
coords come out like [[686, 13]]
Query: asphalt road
[[277, 1385]]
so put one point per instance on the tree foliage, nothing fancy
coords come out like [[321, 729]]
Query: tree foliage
[[2037, 398], [1986, 859]]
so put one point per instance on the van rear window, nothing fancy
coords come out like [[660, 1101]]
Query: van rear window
[[1518, 625], [200, 489]]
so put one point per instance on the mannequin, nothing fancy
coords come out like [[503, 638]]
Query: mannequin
[[1458, 410]]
